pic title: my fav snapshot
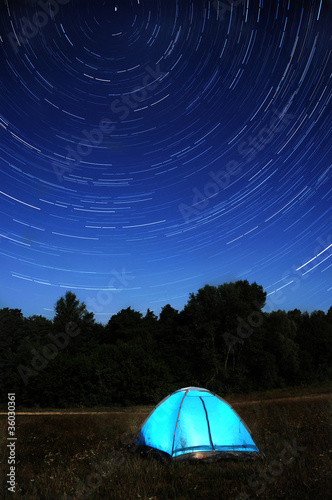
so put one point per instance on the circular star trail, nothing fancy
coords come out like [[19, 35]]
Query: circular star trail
[[148, 148]]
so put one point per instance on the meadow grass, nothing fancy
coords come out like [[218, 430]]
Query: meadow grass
[[90, 456]]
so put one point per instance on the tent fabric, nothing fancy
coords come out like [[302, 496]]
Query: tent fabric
[[194, 421]]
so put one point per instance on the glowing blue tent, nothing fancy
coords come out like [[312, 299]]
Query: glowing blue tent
[[195, 423]]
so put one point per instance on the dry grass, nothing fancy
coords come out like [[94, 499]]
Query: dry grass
[[88, 456]]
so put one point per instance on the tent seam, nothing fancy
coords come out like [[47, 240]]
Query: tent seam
[[208, 423]]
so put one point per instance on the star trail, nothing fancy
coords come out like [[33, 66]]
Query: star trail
[[148, 148]]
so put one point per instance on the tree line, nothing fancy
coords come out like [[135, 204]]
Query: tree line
[[221, 340]]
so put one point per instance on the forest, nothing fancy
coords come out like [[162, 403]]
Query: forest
[[221, 340]]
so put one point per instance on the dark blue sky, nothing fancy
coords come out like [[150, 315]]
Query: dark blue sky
[[148, 148]]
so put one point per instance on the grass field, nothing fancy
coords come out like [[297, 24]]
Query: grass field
[[89, 455]]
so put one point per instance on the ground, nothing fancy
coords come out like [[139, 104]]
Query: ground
[[87, 454]]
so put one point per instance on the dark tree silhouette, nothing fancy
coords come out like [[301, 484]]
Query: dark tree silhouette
[[68, 309], [221, 340]]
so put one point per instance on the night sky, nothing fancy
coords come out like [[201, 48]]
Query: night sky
[[148, 148]]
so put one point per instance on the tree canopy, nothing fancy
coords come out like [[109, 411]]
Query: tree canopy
[[221, 340]]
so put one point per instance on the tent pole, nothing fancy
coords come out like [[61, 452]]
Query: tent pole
[[177, 419]]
